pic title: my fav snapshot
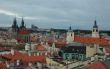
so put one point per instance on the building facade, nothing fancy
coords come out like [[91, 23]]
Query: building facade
[[77, 52], [20, 33]]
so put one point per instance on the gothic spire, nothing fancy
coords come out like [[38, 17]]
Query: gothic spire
[[95, 24], [15, 23], [70, 28], [22, 23]]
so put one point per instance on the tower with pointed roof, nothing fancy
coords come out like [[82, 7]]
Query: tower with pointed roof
[[15, 28], [95, 30], [22, 26], [15, 25], [23, 33], [70, 36], [95, 33]]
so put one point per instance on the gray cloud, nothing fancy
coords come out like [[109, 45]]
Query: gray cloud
[[57, 13]]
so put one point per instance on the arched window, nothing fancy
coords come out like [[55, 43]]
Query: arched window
[[93, 30], [71, 34], [96, 30]]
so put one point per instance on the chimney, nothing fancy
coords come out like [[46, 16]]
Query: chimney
[[47, 46], [18, 62], [53, 45], [42, 43], [46, 53], [29, 53], [12, 51], [7, 65], [38, 53]]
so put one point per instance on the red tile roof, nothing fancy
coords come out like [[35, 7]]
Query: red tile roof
[[59, 43], [23, 32], [98, 65], [24, 57], [28, 68], [107, 50], [2, 66], [91, 40], [40, 47]]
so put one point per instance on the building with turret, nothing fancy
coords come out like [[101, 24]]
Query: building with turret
[[81, 47], [15, 28], [70, 36], [95, 30], [20, 33]]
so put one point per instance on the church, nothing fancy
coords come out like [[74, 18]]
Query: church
[[20, 32], [82, 47]]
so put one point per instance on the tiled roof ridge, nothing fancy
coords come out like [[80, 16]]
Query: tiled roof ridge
[[87, 67], [91, 40], [24, 57]]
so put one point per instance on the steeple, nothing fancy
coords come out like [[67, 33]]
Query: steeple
[[14, 23], [70, 28], [70, 36], [95, 24], [95, 30], [22, 24]]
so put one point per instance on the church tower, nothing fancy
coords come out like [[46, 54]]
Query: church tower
[[95, 33], [70, 36], [22, 27], [23, 33], [15, 28], [15, 25], [95, 30]]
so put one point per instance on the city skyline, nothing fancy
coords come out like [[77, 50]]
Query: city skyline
[[56, 14]]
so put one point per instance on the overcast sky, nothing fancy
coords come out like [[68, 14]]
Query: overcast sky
[[80, 14]]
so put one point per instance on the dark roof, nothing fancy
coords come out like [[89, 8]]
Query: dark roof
[[95, 24], [74, 49], [22, 24], [15, 25]]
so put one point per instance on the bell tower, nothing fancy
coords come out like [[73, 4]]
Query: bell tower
[[95, 30], [15, 28], [95, 33], [22, 26], [70, 36], [15, 25]]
